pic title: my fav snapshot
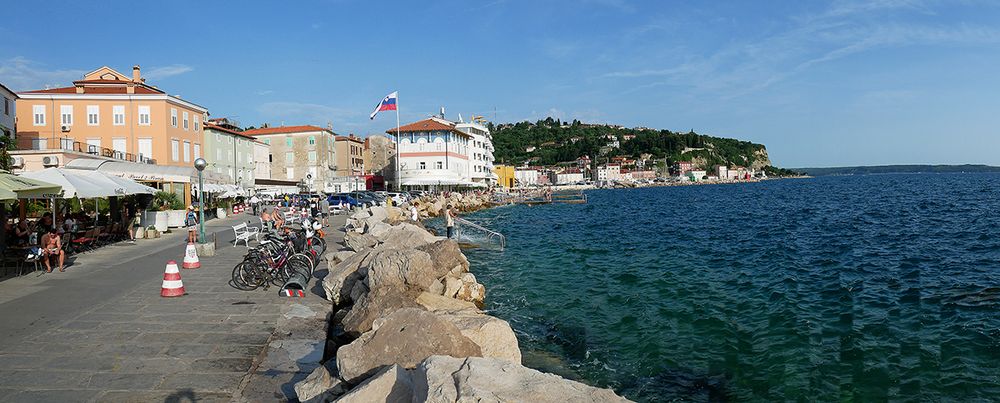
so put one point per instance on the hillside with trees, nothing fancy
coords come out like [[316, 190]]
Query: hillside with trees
[[550, 141]]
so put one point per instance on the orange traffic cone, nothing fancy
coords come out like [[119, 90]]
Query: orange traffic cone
[[172, 284], [191, 257]]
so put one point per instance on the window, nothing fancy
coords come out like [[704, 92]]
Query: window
[[146, 148], [39, 112], [289, 173], [422, 165], [66, 112], [289, 156], [6, 106], [173, 118], [197, 151], [312, 156], [143, 115], [92, 115], [197, 123], [218, 154], [94, 145], [288, 141], [187, 151], [185, 120], [312, 140], [175, 149], [439, 165], [118, 143], [118, 115]]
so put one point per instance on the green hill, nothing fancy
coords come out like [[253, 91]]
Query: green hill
[[550, 141]]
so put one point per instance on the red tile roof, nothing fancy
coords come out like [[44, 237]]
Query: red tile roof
[[225, 130], [95, 90], [350, 138], [283, 129], [427, 125]]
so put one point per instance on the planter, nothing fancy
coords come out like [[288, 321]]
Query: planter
[[205, 249], [156, 234], [140, 233], [158, 219], [220, 213], [175, 218]]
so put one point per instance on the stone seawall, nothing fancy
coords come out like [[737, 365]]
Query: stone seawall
[[408, 325]]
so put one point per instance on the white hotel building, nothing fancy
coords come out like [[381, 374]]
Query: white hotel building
[[438, 152]]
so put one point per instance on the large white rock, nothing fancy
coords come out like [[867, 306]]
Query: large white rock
[[407, 236], [391, 384], [320, 385], [473, 379], [340, 280], [400, 268]]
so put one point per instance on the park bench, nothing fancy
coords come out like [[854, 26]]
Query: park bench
[[242, 234]]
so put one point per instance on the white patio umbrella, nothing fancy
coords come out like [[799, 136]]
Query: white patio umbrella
[[77, 184]]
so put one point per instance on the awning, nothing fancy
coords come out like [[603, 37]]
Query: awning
[[13, 187], [76, 183], [147, 172]]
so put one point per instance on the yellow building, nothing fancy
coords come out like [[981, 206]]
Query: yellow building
[[505, 175]]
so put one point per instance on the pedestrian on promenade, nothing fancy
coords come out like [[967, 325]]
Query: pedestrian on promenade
[[449, 217], [51, 247], [191, 222], [324, 210], [414, 214], [254, 204]]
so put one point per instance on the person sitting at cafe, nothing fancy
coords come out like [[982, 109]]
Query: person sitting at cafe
[[52, 247], [22, 232]]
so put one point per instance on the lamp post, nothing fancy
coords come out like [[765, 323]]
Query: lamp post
[[200, 165]]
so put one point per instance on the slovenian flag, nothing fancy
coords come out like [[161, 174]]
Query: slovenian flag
[[388, 104]]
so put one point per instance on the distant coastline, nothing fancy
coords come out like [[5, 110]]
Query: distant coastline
[[895, 169]]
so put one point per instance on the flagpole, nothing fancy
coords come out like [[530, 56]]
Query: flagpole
[[399, 186]]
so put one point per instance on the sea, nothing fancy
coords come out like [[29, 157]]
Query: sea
[[850, 288]]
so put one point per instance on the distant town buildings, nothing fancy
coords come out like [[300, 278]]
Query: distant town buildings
[[350, 156], [230, 152], [380, 154], [305, 154], [505, 176], [438, 152], [8, 114]]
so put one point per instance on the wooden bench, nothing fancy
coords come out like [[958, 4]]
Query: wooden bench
[[242, 234]]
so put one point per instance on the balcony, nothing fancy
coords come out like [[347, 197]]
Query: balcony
[[69, 144]]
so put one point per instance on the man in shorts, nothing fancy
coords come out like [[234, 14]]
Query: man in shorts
[[191, 222], [52, 247]]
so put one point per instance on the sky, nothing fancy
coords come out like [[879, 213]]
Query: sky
[[820, 83]]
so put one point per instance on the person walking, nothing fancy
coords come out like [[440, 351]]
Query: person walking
[[324, 210], [449, 217], [191, 222], [254, 204]]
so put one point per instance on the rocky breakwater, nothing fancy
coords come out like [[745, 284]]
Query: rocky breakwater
[[433, 206], [408, 326]]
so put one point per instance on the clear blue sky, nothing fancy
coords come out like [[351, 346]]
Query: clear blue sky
[[820, 83]]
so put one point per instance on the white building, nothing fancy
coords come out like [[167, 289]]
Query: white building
[[432, 152], [261, 155], [696, 175], [568, 178], [609, 172], [480, 153], [7, 113], [525, 177]]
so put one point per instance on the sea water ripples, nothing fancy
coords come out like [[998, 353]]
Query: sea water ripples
[[836, 288]]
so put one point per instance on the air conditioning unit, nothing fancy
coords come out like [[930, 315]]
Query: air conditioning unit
[[65, 128], [50, 161], [17, 162]]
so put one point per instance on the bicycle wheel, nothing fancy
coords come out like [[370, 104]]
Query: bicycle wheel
[[318, 244], [245, 277], [301, 263]]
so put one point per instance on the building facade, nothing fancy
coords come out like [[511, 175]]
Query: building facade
[[230, 153], [432, 152], [110, 114], [8, 114], [380, 154], [350, 157], [261, 161], [480, 153], [306, 154], [526, 177], [505, 176]]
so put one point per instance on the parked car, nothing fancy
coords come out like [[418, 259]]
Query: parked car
[[365, 200], [342, 198]]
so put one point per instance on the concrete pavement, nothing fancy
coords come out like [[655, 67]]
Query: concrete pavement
[[101, 331]]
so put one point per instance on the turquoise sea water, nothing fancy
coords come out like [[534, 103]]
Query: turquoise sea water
[[865, 288]]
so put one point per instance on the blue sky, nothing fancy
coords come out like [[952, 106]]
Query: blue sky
[[821, 83]]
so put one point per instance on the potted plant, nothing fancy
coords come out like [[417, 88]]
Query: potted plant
[[152, 232]]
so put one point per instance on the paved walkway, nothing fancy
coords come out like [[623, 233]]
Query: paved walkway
[[101, 331]]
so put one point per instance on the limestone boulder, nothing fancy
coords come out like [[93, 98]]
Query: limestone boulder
[[395, 215], [377, 213], [335, 257], [356, 242], [440, 304], [321, 385], [405, 338], [471, 290], [378, 230], [400, 268], [474, 379], [391, 384], [494, 336], [341, 279], [407, 236], [361, 214], [447, 256], [374, 304], [452, 286]]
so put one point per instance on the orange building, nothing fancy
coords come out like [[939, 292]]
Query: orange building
[[112, 115]]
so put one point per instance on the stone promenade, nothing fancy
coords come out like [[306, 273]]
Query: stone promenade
[[101, 331]]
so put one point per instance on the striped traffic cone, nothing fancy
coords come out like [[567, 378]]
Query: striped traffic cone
[[172, 284], [191, 257]]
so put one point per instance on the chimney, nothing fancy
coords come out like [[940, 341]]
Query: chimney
[[136, 77], [442, 112]]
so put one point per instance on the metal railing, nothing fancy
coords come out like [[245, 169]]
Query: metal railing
[[69, 144], [490, 235]]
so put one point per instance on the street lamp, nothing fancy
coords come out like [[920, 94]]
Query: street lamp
[[200, 165]]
